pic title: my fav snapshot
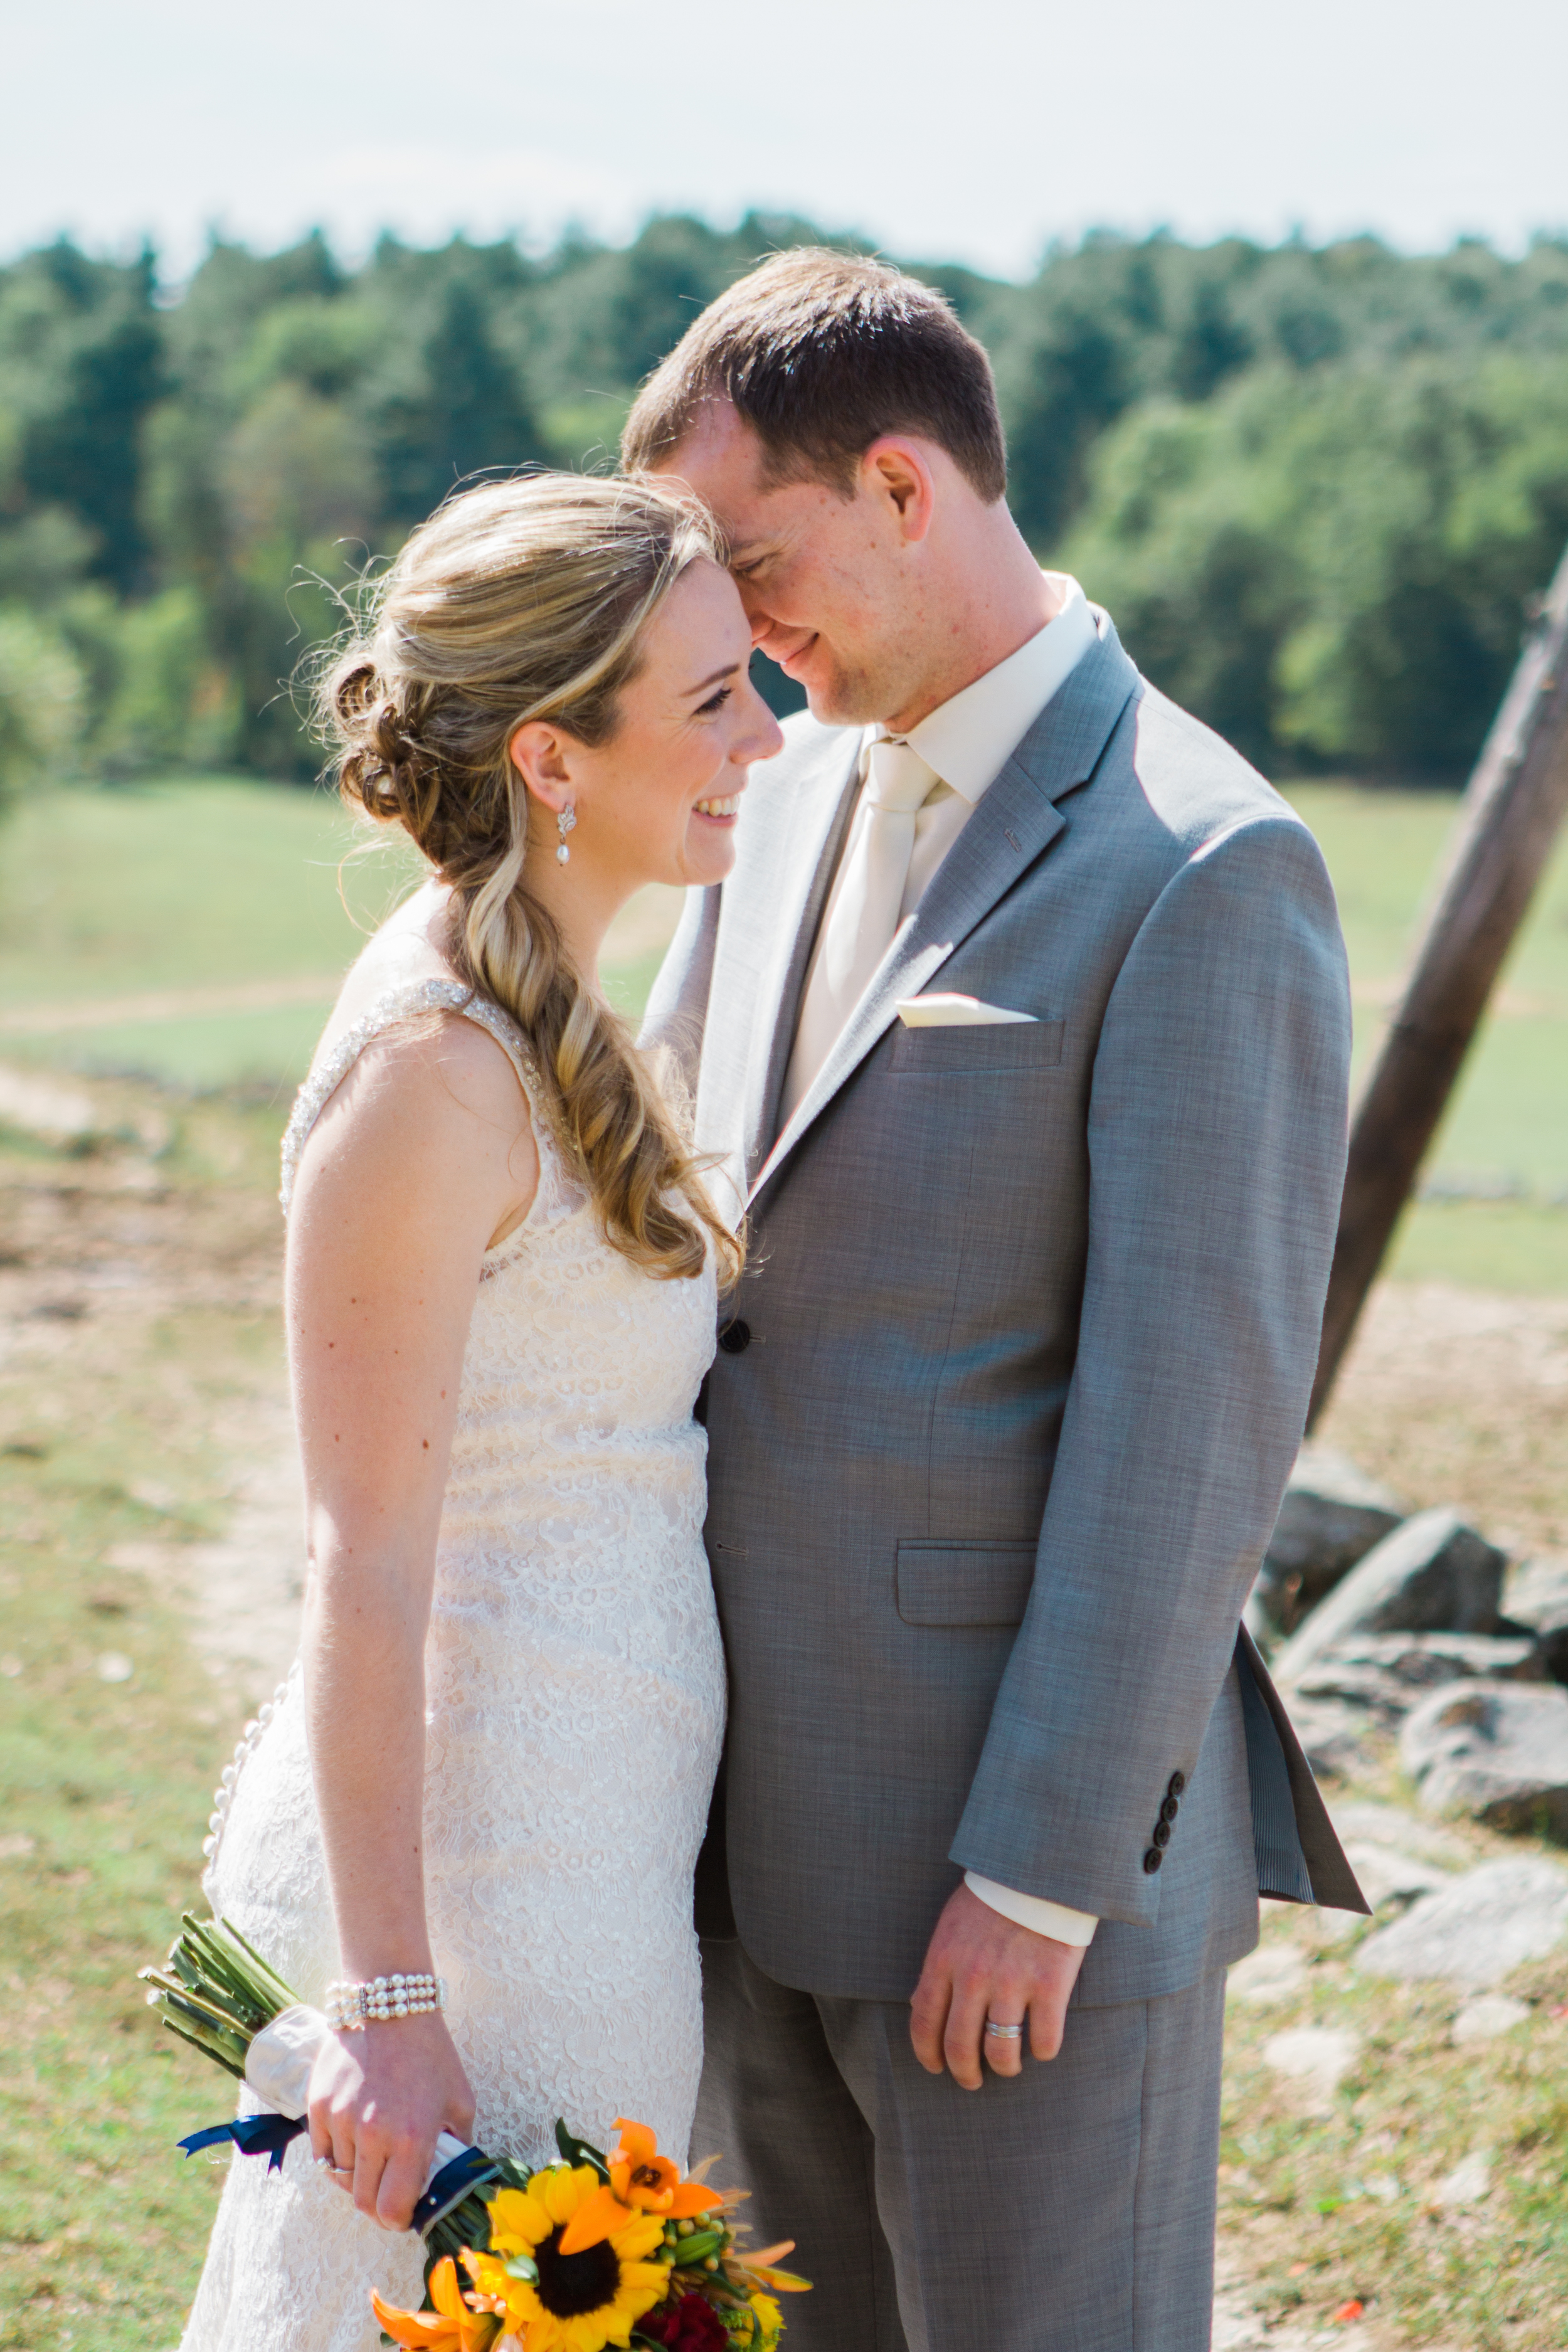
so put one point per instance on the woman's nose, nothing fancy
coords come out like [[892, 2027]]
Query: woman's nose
[[763, 738]]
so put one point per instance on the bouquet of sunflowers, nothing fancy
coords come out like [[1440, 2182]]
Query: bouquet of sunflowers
[[601, 2248]]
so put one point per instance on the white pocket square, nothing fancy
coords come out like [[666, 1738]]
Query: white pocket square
[[947, 1012]]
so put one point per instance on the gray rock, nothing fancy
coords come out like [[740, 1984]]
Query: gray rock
[[1433, 1575], [1387, 1875], [1390, 1673], [1331, 1518], [1483, 2019], [1391, 1825], [1333, 1737], [1498, 1750], [1474, 1932], [1535, 1596]]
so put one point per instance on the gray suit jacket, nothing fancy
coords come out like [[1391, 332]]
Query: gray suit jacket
[[1007, 1399]]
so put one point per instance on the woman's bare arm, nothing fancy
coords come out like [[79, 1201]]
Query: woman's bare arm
[[422, 1157]]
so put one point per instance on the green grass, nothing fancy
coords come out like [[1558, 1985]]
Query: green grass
[[175, 888], [107, 1442], [183, 886]]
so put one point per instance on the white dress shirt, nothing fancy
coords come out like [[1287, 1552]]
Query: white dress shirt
[[966, 742]]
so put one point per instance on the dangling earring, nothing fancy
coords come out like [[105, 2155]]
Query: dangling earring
[[564, 823]]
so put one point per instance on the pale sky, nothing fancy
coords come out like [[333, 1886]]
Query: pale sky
[[967, 130]]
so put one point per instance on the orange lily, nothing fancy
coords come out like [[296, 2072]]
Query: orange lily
[[761, 2267], [453, 2326], [641, 2176], [641, 2181]]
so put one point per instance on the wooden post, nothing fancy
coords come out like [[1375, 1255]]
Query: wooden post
[[1508, 822]]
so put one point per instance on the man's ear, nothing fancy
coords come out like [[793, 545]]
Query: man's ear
[[543, 756], [897, 471]]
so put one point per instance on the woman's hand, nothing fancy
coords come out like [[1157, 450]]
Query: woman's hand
[[378, 2099]]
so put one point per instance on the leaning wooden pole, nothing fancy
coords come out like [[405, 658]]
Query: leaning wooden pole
[[1508, 822]]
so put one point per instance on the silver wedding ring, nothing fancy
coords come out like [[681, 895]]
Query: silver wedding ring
[[1003, 2032]]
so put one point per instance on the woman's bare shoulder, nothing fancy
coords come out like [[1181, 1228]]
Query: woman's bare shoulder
[[437, 1089]]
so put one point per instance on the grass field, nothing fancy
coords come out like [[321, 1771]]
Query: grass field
[[214, 913], [134, 925], [139, 1353]]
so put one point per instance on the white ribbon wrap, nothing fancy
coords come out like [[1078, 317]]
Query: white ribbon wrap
[[278, 2069]]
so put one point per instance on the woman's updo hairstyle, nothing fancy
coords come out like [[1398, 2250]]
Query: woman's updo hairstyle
[[528, 599]]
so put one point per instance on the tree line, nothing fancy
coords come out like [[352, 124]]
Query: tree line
[[1316, 485]]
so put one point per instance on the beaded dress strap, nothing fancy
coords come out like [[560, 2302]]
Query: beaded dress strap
[[403, 1004]]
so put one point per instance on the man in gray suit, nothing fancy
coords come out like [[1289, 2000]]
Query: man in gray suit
[[1020, 1030]]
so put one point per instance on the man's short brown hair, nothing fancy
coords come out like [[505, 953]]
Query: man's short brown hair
[[821, 353]]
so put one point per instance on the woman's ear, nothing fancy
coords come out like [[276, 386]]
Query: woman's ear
[[541, 754]]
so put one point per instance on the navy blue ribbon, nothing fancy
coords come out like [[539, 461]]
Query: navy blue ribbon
[[451, 2185], [265, 2136], [269, 2136]]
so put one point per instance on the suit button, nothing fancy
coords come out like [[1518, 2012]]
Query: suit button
[[1153, 1860], [1162, 1833], [735, 1337], [1177, 1782], [1169, 1809]]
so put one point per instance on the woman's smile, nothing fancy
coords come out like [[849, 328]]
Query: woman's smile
[[715, 811]]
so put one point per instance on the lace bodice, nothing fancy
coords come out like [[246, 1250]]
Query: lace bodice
[[574, 1696]]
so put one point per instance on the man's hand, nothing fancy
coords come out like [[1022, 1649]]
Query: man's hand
[[981, 1965]]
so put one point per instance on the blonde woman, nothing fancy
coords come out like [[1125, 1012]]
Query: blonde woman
[[493, 1763]]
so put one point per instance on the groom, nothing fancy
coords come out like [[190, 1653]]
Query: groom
[[1024, 1031]]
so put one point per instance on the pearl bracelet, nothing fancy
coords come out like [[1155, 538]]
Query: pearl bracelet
[[351, 2006]]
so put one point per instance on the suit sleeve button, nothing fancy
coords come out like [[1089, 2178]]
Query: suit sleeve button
[[735, 1337], [1153, 1860], [1177, 1782], [1169, 1809], [1162, 1833]]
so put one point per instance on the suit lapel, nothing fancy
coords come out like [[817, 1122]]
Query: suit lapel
[[1015, 823], [817, 816]]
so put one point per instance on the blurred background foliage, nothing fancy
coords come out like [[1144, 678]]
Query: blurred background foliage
[[1316, 487]]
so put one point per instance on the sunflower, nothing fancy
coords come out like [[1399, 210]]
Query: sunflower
[[567, 2302]]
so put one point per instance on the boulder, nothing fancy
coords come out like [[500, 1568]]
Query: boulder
[[1500, 1750], [1472, 1933], [1390, 1673], [1387, 1875], [1433, 1575], [1331, 1518], [1483, 2019], [1391, 1825], [1535, 1597], [1332, 1736]]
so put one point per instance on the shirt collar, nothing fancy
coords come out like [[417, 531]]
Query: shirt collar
[[968, 738]]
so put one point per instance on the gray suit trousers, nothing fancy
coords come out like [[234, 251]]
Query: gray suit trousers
[[1071, 2210]]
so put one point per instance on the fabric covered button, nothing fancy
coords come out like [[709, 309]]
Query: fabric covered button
[[1176, 1783], [736, 1337], [1153, 1860]]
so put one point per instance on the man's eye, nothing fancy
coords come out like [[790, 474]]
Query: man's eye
[[714, 703]]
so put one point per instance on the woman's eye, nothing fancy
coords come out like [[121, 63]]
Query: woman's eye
[[715, 703]]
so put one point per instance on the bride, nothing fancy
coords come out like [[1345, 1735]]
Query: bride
[[492, 1764]]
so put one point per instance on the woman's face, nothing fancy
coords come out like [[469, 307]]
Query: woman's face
[[658, 803]]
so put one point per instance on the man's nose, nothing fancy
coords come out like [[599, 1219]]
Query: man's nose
[[754, 611]]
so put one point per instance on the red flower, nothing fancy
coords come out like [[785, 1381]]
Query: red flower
[[690, 2325]]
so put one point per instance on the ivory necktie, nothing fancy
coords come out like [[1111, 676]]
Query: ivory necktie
[[866, 909]]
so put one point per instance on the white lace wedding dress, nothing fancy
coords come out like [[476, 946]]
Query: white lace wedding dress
[[574, 1710]]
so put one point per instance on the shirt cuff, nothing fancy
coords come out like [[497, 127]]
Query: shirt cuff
[[1053, 1919]]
